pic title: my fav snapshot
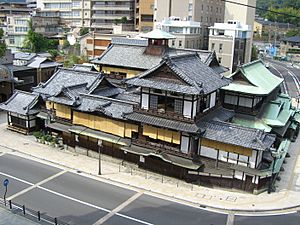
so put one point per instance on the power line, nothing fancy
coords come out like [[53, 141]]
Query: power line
[[255, 7]]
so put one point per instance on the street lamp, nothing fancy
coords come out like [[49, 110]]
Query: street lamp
[[99, 152]]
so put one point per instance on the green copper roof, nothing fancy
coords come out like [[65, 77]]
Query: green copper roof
[[253, 123], [257, 79], [158, 34], [278, 112], [280, 155]]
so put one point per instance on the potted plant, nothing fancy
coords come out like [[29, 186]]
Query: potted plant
[[37, 135]]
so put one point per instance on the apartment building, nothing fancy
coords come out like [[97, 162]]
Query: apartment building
[[99, 15], [207, 12], [187, 33], [232, 43], [17, 28], [144, 10], [12, 8]]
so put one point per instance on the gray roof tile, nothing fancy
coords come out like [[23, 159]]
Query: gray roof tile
[[21, 102], [198, 77], [162, 122], [237, 135]]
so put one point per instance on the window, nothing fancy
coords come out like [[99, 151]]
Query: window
[[76, 13], [153, 101], [76, 4], [212, 46], [178, 106], [202, 7], [190, 7], [173, 43], [180, 43], [220, 60], [11, 41], [220, 48]]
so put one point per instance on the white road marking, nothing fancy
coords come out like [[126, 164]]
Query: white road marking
[[119, 208], [18, 179], [284, 84], [230, 219], [36, 185], [74, 199]]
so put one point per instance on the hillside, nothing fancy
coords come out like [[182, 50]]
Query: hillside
[[290, 7]]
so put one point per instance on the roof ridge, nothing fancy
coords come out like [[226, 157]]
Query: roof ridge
[[106, 98]]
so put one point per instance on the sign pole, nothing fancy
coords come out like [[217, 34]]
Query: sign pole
[[5, 184]]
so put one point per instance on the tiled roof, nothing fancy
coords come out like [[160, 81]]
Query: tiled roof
[[83, 67], [157, 34], [130, 53], [110, 107], [219, 114], [43, 62], [24, 55], [21, 102], [198, 77], [84, 82], [162, 122], [295, 39], [237, 135], [127, 56]]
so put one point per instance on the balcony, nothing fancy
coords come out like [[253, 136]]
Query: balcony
[[160, 147], [166, 115], [110, 16], [112, 8]]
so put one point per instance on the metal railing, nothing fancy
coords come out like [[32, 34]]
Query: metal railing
[[31, 214]]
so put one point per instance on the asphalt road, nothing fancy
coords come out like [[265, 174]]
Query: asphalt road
[[290, 74], [77, 199]]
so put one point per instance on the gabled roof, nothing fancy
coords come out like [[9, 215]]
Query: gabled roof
[[79, 81], [257, 79], [195, 76], [158, 34], [108, 106], [21, 102], [43, 62], [84, 67]]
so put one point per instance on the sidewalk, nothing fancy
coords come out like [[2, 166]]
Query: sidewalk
[[286, 197]]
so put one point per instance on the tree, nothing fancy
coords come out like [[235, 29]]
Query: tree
[[121, 21], [2, 44], [83, 31], [294, 32], [254, 53], [36, 42]]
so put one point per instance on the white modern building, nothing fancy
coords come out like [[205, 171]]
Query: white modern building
[[17, 28], [99, 15], [188, 33], [232, 43]]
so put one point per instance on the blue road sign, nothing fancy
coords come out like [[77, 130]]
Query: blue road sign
[[5, 182]]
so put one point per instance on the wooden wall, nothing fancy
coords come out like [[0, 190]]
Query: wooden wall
[[61, 111], [118, 128], [226, 147], [129, 73], [161, 134]]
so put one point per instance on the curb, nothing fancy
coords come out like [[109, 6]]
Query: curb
[[196, 204]]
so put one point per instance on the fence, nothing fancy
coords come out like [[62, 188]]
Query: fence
[[133, 170], [31, 214]]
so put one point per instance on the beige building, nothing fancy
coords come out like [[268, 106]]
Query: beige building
[[187, 33], [99, 15], [144, 10], [207, 12], [291, 47], [232, 43]]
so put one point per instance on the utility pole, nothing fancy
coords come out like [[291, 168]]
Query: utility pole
[[99, 152]]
